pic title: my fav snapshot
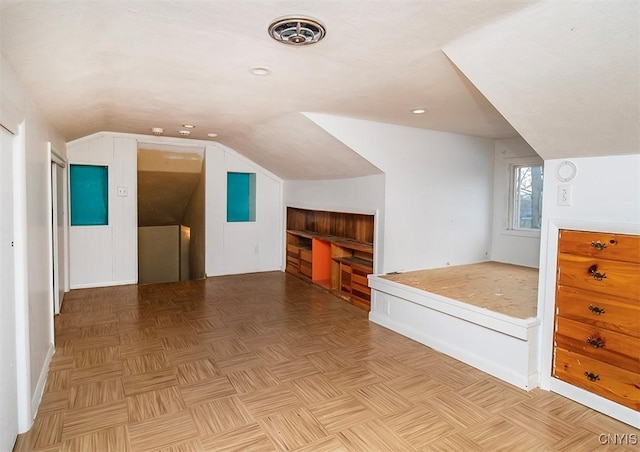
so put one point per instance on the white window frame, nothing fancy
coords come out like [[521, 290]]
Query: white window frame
[[511, 213], [508, 199]]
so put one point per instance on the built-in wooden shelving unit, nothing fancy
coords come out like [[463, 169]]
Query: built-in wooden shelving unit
[[333, 250]]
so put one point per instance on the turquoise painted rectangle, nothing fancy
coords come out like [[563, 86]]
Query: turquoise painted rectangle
[[241, 197], [89, 195]]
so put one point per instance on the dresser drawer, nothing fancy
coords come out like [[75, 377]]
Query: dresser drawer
[[617, 247], [621, 315], [599, 275], [613, 348], [613, 383]]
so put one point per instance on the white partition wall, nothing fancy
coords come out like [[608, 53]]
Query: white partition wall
[[107, 255], [241, 247]]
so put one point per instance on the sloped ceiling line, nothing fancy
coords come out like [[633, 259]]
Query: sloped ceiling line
[[565, 74]]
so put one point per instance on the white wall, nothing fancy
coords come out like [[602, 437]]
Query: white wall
[[32, 241], [605, 196], [241, 247], [439, 191], [508, 245], [229, 247], [106, 255], [563, 73], [359, 195]]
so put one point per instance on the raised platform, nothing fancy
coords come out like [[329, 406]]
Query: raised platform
[[470, 327]]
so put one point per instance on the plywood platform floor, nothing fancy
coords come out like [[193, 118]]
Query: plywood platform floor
[[267, 362], [508, 289]]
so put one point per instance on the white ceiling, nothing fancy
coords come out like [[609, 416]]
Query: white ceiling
[[127, 66]]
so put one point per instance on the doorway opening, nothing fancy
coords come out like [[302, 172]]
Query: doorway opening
[[171, 205]]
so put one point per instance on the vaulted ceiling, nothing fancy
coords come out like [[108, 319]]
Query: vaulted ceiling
[[128, 66]]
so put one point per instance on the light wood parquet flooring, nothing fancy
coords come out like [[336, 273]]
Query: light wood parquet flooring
[[266, 362]]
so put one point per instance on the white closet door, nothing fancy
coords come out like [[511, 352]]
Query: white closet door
[[8, 376]]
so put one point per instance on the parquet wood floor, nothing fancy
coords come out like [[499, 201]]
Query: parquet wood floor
[[266, 362]]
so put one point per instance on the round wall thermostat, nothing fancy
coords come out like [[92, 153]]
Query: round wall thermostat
[[566, 171]]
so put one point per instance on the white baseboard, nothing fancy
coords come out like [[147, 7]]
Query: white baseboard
[[42, 380], [103, 284]]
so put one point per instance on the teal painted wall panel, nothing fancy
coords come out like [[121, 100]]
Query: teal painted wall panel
[[89, 195], [241, 197]]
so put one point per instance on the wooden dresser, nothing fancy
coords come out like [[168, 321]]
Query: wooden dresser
[[597, 318]]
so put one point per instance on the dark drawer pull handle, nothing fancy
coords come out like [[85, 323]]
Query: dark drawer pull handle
[[596, 310], [591, 376], [593, 271], [599, 246], [595, 342]]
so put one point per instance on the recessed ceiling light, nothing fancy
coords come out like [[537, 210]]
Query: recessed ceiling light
[[157, 130], [418, 111], [188, 126], [212, 135], [260, 70], [184, 133], [296, 30]]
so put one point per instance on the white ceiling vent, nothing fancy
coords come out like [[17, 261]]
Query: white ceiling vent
[[296, 30]]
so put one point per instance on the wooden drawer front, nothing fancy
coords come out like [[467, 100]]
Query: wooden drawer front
[[599, 275], [613, 383], [345, 278], [359, 280], [305, 255], [360, 283], [305, 268], [293, 258], [617, 247], [613, 348], [305, 262], [615, 314], [363, 292], [362, 303], [292, 269], [362, 271]]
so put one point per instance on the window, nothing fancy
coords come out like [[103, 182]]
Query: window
[[241, 197], [89, 195], [526, 199]]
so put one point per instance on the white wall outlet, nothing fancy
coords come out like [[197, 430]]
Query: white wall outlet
[[564, 195], [123, 191]]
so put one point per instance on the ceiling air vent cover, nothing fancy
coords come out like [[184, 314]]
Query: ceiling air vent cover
[[296, 30]]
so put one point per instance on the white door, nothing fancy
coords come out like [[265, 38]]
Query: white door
[[8, 376], [57, 234]]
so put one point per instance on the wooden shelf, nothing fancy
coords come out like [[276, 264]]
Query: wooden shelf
[[355, 261], [334, 250]]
